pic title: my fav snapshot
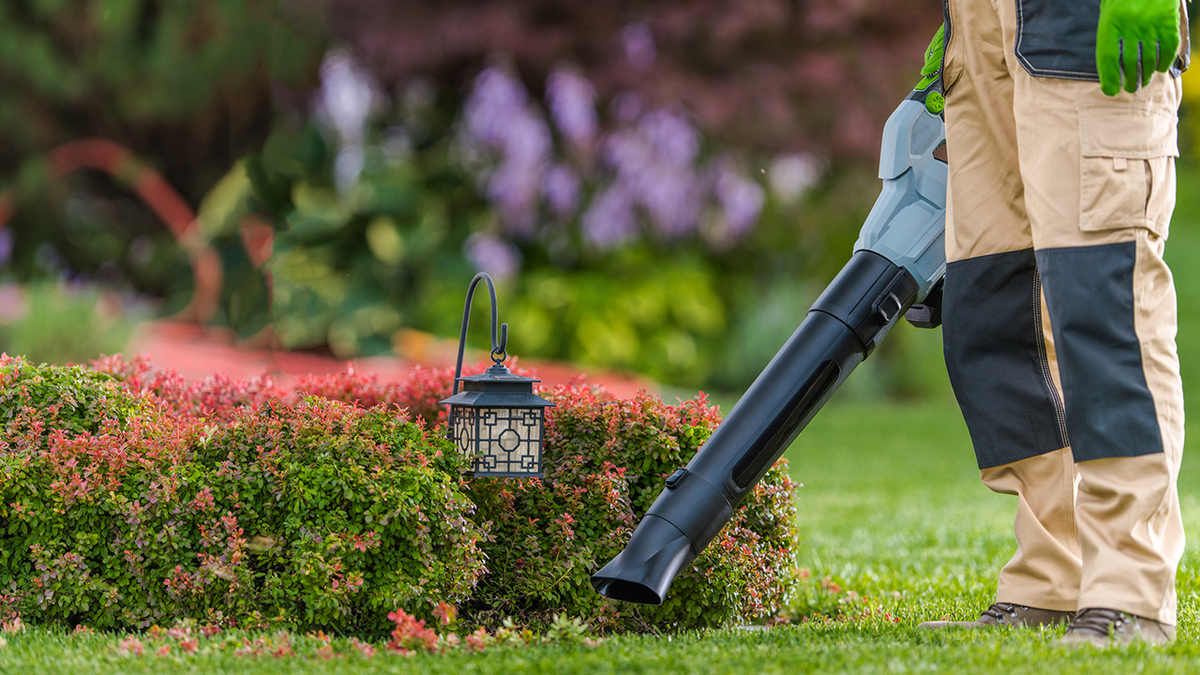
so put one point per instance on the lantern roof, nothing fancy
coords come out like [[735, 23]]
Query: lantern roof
[[497, 387]]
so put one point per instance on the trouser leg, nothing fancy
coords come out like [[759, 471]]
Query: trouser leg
[[1124, 408], [999, 351], [1045, 571], [1132, 535], [1054, 185], [1100, 190]]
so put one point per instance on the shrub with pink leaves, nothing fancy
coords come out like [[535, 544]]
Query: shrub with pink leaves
[[606, 461], [120, 509], [129, 498], [420, 394]]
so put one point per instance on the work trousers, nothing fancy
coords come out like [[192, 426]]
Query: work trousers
[[1060, 317]]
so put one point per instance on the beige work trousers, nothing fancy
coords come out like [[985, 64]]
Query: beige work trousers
[[1056, 168]]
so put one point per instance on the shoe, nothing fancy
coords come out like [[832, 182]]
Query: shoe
[[1102, 627], [1008, 614]]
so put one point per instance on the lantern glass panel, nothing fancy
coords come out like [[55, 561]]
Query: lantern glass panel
[[462, 429], [508, 441]]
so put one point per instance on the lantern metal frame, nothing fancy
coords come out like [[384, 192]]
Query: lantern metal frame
[[496, 419]]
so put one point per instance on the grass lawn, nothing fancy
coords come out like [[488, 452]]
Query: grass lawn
[[896, 530]]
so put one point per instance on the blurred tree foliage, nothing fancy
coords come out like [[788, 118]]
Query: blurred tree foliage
[[766, 76], [184, 84]]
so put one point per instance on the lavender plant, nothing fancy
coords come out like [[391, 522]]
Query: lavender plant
[[644, 177], [620, 236]]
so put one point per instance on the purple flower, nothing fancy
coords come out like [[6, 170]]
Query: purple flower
[[672, 196], [572, 102], [527, 139], [347, 97], [673, 138], [493, 255], [497, 96], [514, 191], [610, 220], [791, 175], [6, 244], [515, 184], [499, 117], [741, 200], [628, 154], [560, 186], [638, 41], [654, 164]]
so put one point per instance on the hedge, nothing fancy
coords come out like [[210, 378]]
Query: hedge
[[129, 498]]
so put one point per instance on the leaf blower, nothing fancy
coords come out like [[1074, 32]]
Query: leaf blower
[[898, 264]]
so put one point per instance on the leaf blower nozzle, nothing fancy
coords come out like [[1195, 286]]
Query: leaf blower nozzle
[[899, 259], [643, 572]]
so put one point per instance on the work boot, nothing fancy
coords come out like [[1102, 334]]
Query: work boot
[[1102, 627], [1008, 614]]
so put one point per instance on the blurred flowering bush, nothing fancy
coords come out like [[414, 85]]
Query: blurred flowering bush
[[639, 178], [649, 165], [618, 239]]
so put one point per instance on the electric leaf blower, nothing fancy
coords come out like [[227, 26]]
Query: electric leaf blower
[[899, 261]]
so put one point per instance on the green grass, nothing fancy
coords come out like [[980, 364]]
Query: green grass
[[896, 529], [857, 648], [48, 322]]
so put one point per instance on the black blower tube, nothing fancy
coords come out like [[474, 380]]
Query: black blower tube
[[854, 313]]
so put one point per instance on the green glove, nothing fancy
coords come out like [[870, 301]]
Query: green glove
[[931, 73], [1135, 39]]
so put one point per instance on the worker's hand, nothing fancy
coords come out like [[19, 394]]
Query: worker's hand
[[931, 73], [1135, 39]]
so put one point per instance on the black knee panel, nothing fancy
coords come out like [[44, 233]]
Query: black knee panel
[[1089, 292], [996, 358]]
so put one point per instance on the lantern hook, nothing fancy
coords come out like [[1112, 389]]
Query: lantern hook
[[499, 352]]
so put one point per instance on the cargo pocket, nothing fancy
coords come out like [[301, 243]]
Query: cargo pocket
[[1127, 167]]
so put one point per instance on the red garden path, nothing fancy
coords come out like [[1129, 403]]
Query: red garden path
[[196, 353]]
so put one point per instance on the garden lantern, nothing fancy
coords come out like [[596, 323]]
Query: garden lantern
[[496, 420]]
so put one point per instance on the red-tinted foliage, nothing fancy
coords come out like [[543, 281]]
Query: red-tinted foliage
[[221, 503], [420, 394], [139, 499]]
